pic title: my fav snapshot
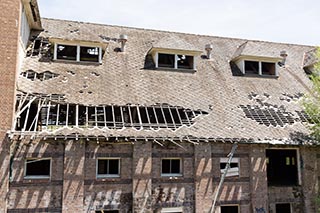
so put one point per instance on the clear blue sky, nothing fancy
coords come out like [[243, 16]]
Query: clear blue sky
[[289, 21]]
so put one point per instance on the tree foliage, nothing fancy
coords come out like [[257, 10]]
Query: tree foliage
[[311, 101]]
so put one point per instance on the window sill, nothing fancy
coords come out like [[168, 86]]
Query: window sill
[[259, 76], [107, 176], [77, 62], [175, 70], [40, 177], [171, 175]]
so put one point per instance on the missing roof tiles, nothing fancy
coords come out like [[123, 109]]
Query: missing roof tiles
[[39, 46], [32, 75], [269, 115], [45, 114]]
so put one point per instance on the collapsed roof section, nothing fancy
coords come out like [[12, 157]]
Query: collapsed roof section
[[214, 100]]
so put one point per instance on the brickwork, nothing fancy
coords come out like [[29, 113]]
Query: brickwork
[[74, 187], [258, 178], [9, 30]]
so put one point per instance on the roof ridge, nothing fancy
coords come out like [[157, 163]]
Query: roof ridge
[[182, 33]]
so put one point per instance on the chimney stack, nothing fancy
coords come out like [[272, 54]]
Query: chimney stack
[[123, 39], [208, 48], [284, 55]]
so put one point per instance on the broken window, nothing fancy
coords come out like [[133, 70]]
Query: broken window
[[268, 68], [37, 168], [282, 168], [78, 53], [66, 52], [283, 208], [166, 60], [251, 67], [229, 209], [108, 167], [89, 54], [32, 75], [175, 61], [171, 167], [233, 169], [185, 62]]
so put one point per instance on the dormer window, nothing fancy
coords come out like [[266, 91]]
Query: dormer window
[[174, 61], [259, 68], [77, 53], [66, 52], [174, 53]]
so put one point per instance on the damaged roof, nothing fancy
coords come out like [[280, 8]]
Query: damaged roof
[[257, 108]]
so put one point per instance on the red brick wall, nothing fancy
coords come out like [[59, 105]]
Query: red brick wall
[[9, 31]]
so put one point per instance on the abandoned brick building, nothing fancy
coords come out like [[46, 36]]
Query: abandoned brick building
[[99, 118]]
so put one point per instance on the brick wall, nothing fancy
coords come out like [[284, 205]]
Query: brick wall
[[74, 187], [9, 31]]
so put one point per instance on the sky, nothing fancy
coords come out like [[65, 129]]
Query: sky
[[287, 21]]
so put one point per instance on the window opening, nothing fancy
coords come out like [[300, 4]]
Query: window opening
[[166, 60], [185, 62], [37, 168], [268, 68], [107, 211], [281, 167], [66, 52], [251, 67], [234, 166], [89, 54], [72, 115], [171, 167], [108, 168], [62, 115], [82, 116], [283, 208], [100, 117], [229, 209]]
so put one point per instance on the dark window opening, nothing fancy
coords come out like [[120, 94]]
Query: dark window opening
[[100, 117], [185, 62], [62, 115], [171, 166], [89, 54], [232, 165], [229, 209], [167, 115], [282, 167], [109, 116], [91, 117], [82, 116], [72, 115], [166, 60], [283, 208], [108, 167], [37, 167], [268, 68], [118, 117], [159, 115], [66, 52], [251, 67]]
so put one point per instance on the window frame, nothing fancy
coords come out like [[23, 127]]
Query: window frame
[[299, 180], [30, 177], [231, 170], [241, 64], [78, 49], [175, 67], [180, 174], [99, 176]]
